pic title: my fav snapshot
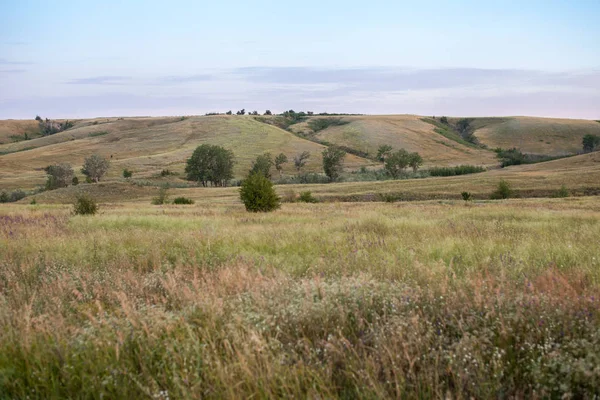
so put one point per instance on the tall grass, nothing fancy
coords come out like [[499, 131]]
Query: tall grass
[[423, 300]]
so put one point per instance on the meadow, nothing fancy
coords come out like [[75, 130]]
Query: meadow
[[435, 299]]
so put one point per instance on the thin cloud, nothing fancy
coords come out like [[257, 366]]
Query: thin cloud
[[186, 78], [101, 80], [4, 61], [12, 71]]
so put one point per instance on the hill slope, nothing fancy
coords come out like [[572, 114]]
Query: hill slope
[[148, 145], [546, 136]]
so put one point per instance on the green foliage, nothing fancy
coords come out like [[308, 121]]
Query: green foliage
[[319, 124], [210, 164], [127, 173], [262, 165], [95, 167], [516, 157], [166, 172], [258, 195], [279, 161], [59, 175], [504, 191], [183, 200], [415, 161], [301, 159], [4, 197], [75, 181], [383, 152], [268, 112], [590, 142], [457, 170], [444, 120], [307, 197], [562, 192], [163, 196], [85, 205], [333, 157], [33, 201], [466, 196], [396, 163]]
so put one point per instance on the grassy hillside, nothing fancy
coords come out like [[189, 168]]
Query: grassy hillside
[[546, 136], [12, 130], [148, 145], [367, 133]]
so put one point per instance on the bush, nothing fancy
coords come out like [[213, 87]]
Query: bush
[[85, 205], [163, 173], [127, 173], [466, 196], [162, 198], [307, 197], [258, 195], [457, 170], [4, 197], [33, 202], [504, 191], [562, 192], [75, 181], [183, 200], [16, 195]]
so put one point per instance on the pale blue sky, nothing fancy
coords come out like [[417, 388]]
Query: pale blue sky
[[69, 58]]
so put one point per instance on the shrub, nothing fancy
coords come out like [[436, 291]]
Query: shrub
[[444, 120], [457, 170], [163, 173], [4, 197], [183, 200], [307, 197], [162, 198], [503, 191], [33, 202], [127, 173], [75, 181], [258, 195], [59, 175], [94, 167], [562, 192], [85, 205], [333, 157], [466, 196], [16, 195]]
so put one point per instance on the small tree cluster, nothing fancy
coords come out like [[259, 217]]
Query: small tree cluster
[[15, 195], [333, 157], [210, 164], [395, 163], [50, 127], [591, 143]]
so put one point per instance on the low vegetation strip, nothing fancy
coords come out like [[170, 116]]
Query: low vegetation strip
[[458, 170], [351, 301]]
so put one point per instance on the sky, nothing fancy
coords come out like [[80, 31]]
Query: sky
[[78, 59]]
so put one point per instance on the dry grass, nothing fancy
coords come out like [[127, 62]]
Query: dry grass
[[547, 136], [322, 301]]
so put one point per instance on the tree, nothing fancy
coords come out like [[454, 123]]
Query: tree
[[229, 112], [279, 161], [396, 162], [415, 161], [255, 112], [301, 159], [210, 164], [241, 112], [59, 175], [504, 191], [262, 165], [384, 151], [590, 142], [268, 112], [333, 158], [444, 120], [94, 167], [258, 195]]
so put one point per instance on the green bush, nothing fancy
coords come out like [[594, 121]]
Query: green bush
[[162, 198], [13, 196], [562, 192], [503, 191], [258, 195], [466, 196], [127, 173], [33, 202], [75, 181], [183, 200], [4, 197], [85, 205], [307, 197], [457, 170]]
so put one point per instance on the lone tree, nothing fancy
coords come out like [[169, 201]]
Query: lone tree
[[59, 175], [268, 112], [262, 165], [258, 195], [301, 159], [333, 158], [591, 142], [94, 167], [279, 161], [396, 162], [415, 161], [210, 165], [383, 152]]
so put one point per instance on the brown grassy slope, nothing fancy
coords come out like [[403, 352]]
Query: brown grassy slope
[[13, 127], [367, 133], [148, 145], [580, 174], [535, 135]]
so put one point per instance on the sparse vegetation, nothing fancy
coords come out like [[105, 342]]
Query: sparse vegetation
[[457, 170], [562, 192], [183, 200], [466, 196], [307, 197], [162, 197], [504, 191], [300, 160], [258, 195]]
